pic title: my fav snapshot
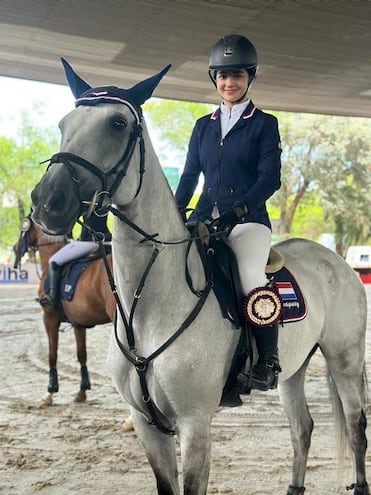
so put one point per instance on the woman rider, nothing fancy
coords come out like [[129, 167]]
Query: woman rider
[[237, 149]]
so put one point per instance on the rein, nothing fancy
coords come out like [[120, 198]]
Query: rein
[[204, 235]]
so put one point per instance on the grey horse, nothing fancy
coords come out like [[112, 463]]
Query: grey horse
[[171, 349]]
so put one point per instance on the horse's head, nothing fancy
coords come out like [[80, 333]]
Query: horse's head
[[100, 139], [32, 239]]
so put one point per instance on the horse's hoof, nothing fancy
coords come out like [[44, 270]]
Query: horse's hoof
[[46, 401], [296, 490], [128, 425], [359, 489], [80, 396]]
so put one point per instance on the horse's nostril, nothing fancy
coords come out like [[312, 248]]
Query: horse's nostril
[[57, 202]]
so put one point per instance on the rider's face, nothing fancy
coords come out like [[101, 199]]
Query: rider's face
[[232, 85]]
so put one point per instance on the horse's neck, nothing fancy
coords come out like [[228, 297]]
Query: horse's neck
[[47, 246], [155, 212], [154, 209]]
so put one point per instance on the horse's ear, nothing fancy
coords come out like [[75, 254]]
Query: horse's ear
[[143, 90], [76, 84]]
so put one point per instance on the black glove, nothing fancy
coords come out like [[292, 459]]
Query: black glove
[[230, 218]]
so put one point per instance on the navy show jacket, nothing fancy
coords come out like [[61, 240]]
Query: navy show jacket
[[243, 167]]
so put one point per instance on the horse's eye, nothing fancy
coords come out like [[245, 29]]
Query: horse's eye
[[120, 123]]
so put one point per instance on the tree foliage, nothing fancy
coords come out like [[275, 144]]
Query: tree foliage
[[20, 170], [174, 120], [346, 184], [329, 157]]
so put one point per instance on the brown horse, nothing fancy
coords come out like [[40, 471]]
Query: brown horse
[[93, 303]]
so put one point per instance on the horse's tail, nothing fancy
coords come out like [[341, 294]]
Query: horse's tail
[[342, 443]]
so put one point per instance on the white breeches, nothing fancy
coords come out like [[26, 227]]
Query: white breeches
[[251, 244], [72, 251]]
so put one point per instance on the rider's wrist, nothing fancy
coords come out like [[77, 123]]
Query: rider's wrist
[[241, 208]]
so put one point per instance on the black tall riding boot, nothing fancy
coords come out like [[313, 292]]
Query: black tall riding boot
[[265, 372], [54, 273]]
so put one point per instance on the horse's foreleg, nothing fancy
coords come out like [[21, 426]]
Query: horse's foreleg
[[53, 387], [51, 324], [301, 426], [194, 436], [161, 454], [80, 337]]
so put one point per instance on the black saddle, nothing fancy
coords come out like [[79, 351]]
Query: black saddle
[[221, 264]]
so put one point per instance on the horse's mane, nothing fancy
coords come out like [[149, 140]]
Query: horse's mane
[[54, 239]]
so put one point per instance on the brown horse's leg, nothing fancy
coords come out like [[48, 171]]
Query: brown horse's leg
[[80, 336], [51, 321]]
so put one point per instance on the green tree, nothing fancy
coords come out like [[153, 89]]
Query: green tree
[[328, 157], [346, 183], [302, 160], [173, 121], [20, 170]]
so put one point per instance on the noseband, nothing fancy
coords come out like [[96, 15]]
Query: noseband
[[120, 168]]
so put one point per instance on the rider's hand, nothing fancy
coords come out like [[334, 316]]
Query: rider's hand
[[230, 218]]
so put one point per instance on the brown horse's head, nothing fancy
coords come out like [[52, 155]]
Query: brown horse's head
[[32, 238], [24, 243]]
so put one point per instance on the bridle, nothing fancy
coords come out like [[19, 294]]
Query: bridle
[[119, 169]]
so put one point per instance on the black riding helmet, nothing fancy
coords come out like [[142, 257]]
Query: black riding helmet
[[233, 52]]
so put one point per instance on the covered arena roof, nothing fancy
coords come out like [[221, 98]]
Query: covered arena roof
[[314, 55]]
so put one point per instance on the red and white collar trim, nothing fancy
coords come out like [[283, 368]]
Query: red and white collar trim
[[249, 111]]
